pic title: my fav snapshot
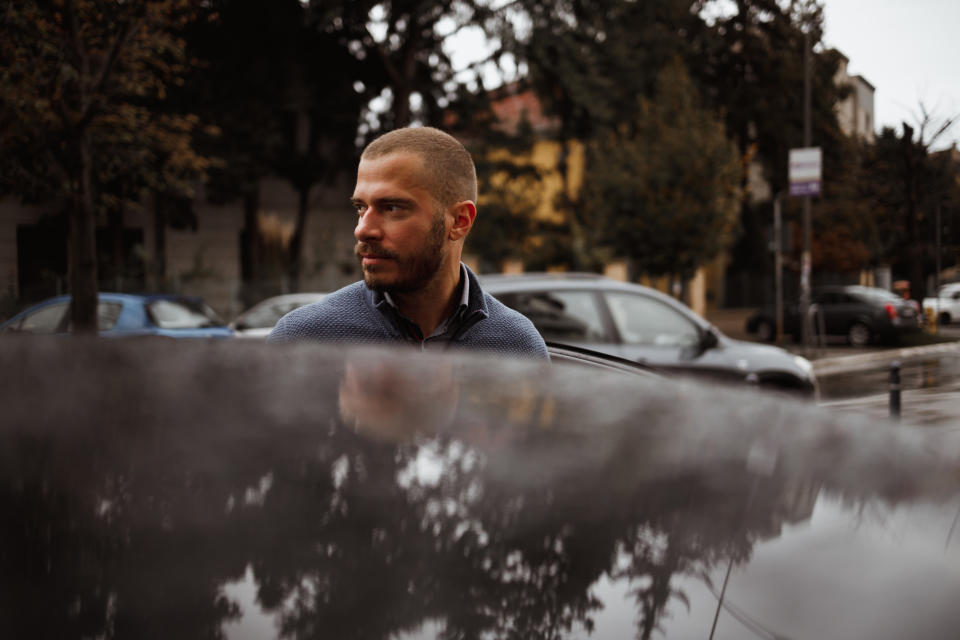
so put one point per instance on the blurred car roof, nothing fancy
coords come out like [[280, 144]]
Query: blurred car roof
[[389, 493]]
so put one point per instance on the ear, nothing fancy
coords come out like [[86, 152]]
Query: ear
[[464, 213]]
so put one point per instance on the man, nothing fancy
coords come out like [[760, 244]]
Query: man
[[415, 200]]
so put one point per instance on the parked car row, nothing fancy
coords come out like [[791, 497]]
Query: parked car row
[[124, 314], [167, 315], [859, 314], [585, 318]]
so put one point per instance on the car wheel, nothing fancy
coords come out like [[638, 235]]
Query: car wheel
[[944, 318], [858, 335], [765, 331]]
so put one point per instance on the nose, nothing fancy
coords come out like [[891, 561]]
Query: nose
[[368, 227]]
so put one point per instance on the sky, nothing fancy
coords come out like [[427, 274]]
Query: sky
[[908, 49]]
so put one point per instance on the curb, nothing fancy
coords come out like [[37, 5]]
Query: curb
[[850, 364]]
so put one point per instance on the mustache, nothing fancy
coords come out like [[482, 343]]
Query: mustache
[[373, 251]]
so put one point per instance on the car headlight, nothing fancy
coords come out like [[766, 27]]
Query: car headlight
[[804, 365]]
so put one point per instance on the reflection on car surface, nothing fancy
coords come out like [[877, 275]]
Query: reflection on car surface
[[261, 318], [641, 324], [860, 314], [309, 491], [125, 314]]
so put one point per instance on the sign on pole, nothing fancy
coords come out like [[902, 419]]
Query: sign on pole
[[805, 171]]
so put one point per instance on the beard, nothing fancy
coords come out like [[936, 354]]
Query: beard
[[412, 271]]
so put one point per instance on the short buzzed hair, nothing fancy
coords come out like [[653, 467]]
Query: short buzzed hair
[[450, 172]]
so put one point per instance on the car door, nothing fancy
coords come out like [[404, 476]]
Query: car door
[[45, 320], [654, 332], [840, 310]]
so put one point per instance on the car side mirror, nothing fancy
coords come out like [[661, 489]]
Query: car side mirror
[[709, 340]]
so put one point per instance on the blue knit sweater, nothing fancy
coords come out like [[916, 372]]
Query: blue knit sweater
[[356, 314]]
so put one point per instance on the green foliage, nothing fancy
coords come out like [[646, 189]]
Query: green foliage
[[80, 127], [664, 192], [905, 183], [100, 69]]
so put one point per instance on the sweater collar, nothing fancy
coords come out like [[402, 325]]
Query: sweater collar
[[471, 296]]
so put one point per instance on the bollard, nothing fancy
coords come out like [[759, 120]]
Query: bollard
[[895, 390]]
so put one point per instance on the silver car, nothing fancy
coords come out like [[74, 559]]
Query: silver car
[[641, 324], [258, 321]]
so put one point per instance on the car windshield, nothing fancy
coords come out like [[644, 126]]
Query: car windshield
[[181, 313], [266, 314]]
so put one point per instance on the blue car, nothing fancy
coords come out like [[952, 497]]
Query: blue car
[[124, 314]]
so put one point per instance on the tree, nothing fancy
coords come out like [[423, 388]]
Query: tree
[[664, 192], [78, 91], [589, 62], [906, 182], [749, 66]]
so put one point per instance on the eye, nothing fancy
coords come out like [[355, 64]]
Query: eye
[[359, 208]]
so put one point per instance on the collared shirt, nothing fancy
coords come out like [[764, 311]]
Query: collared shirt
[[446, 329]]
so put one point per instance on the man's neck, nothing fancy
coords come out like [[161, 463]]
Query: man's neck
[[430, 306]]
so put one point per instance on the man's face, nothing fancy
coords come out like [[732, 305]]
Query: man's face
[[401, 230]]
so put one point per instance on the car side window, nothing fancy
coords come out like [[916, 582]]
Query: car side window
[[642, 320], [107, 314], [264, 317], [46, 320], [179, 314], [561, 316]]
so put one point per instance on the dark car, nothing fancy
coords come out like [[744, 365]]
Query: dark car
[[641, 324], [245, 490], [859, 314], [126, 314]]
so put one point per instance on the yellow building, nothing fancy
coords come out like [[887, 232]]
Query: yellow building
[[539, 195]]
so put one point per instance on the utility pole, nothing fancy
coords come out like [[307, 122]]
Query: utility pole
[[936, 278], [806, 259], [778, 266]]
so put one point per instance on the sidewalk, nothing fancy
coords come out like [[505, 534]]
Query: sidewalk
[[852, 362], [831, 360]]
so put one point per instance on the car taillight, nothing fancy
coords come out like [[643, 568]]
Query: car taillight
[[891, 311]]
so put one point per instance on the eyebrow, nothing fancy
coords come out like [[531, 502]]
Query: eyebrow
[[404, 202]]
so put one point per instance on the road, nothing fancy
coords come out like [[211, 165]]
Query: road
[[859, 382]]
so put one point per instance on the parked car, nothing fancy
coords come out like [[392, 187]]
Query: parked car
[[259, 320], [126, 314], [945, 305], [641, 324], [860, 314], [260, 493]]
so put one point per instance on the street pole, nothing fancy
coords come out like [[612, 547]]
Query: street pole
[[936, 279], [778, 265], [805, 266]]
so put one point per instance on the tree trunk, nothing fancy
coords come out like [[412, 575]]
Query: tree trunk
[[159, 242], [250, 254], [296, 241], [83, 246], [118, 262]]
